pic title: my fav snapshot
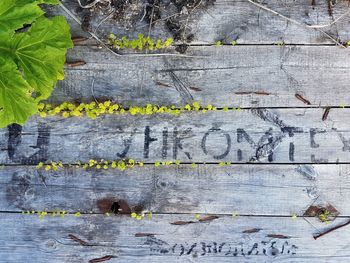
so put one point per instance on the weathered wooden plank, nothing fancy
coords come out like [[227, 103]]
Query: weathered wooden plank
[[26, 238], [245, 76], [256, 136], [279, 190], [225, 21]]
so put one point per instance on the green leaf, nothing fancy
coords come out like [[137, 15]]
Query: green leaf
[[41, 53], [30, 62], [16, 104], [16, 13]]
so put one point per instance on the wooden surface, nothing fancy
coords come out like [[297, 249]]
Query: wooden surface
[[226, 75], [288, 156], [255, 135]]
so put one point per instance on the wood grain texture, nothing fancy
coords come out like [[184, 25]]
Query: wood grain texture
[[271, 190], [229, 20], [26, 238], [244, 76], [285, 158], [255, 136]]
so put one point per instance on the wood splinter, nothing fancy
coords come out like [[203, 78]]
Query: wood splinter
[[325, 114], [181, 223], [105, 258], [75, 64], [78, 39], [145, 235], [253, 92], [299, 97], [159, 83], [331, 230], [76, 239], [208, 218]]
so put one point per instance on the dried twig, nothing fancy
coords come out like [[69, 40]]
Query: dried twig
[[315, 27], [278, 236], [325, 114], [331, 230], [89, 5], [105, 258], [181, 223], [145, 235], [208, 218], [76, 239], [78, 39], [299, 97], [75, 64]]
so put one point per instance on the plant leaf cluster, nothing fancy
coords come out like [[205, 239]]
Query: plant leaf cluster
[[32, 55]]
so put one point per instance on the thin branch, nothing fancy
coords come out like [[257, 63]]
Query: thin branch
[[330, 24], [331, 230], [89, 5], [315, 27]]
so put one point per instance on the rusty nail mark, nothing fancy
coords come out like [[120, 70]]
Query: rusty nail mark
[[163, 84], [299, 97], [144, 235], [208, 218], [330, 230], [252, 230], [325, 114], [278, 236], [195, 88], [76, 239], [75, 64], [181, 223], [105, 258], [78, 39]]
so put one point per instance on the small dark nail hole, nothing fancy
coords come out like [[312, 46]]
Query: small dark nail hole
[[115, 208]]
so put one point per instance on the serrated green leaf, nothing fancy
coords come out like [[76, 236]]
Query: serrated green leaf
[[32, 61], [41, 53], [15, 13], [16, 103]]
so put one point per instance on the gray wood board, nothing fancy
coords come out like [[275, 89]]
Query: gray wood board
[[256, 136], [222, 76], [227, 21], [277, 190], [26, 238]]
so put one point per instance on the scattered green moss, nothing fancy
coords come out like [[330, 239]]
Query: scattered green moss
[[280, 44], [218, 43], [121, 165], [140, 43], [324, 216], [93, 110]]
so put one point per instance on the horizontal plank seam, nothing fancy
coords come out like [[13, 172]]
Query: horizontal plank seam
[[181, 214], [189, 163], [233, 46]]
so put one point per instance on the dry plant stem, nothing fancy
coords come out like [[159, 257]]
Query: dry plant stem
[[103, 20], [122, 55], [331, 230], [188, 16], [315, 27], [89, 5]]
